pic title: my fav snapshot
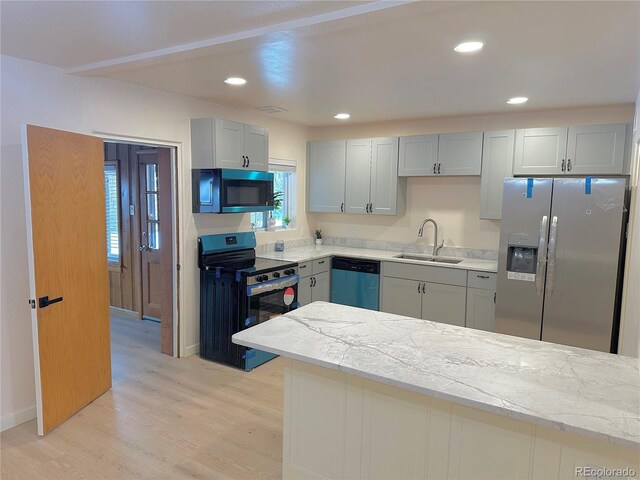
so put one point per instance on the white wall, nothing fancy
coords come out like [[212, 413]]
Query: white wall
[[44, 95], [453, 201]]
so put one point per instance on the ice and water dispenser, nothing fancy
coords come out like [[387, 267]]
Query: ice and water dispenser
[[522, 257]]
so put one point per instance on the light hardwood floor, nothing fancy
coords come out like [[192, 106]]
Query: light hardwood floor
[[164, 418]]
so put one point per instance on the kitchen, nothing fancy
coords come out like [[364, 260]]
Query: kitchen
[[454, 202]]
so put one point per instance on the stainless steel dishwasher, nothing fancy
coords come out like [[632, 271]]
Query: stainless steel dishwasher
[[355, 282]]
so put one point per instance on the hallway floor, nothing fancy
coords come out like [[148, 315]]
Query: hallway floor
[[163, 418]]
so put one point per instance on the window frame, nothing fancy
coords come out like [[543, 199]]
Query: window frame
[[116, 164], [290, 207]]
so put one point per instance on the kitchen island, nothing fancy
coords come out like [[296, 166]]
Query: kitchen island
[[375, 395]]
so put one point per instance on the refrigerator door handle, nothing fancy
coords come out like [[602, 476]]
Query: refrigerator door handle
[[542, 255], [551, 269]]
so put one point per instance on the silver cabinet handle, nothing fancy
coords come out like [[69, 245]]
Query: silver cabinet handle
[[551, 262], [542, 255]]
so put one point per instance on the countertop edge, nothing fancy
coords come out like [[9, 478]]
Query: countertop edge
[[611, 439]]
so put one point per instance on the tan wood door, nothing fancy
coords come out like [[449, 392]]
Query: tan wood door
[[156, 243], [65, 205]]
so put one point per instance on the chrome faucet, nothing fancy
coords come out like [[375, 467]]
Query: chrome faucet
[[436, 247]]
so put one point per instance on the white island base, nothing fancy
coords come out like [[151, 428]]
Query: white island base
[[342, 426]]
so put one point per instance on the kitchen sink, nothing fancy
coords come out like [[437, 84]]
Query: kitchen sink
[[428, 258]]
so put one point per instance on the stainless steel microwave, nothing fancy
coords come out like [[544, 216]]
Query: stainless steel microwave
[[222, 190]]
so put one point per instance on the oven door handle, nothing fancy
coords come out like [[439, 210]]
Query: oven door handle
[[270, 286]]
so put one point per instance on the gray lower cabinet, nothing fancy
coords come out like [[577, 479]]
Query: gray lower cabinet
[[481, 300], [497, 163], [315, 285], [402, 297]]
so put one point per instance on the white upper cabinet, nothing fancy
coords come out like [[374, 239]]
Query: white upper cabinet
[[459, 153], [418, 155], [256, 147], [358, 176], [384, 176], [497, 163], [540, 151], [326, 178], [219, 143], [596, 149]]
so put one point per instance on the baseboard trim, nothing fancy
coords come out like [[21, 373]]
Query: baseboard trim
[[124, 312], [16, 419], [192, 350]]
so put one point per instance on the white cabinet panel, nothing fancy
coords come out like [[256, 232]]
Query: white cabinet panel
[[481, 309], [304, 291], [256, 145], [384, 176], [358, 176], [327, 176], [401, 296], [321, 291], [418, 155], [497, 163], [540, 151], [202, 141], [459, 153], [596, 149], [229, 144], [444, 304]]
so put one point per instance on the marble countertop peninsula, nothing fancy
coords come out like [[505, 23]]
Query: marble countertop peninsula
[[573, 389], [305, 254]]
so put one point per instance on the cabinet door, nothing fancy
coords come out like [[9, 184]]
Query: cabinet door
[[321, 291], [497, 163], [202, 153], [418, 155], [444, 304], [401, 296], [384, 176], [256, 147], [596, 149], [326, 176], [358, 176], [460, 153], [229, 144], [481, 309], [304, 291], [540, 151]]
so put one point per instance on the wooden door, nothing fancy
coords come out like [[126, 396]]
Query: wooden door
[[229, 144], [384, 176], [357, 176], [65, 205], [444, 303], [401, 296], [418, 155], [497, 163], [596, 149], [156, 245], [540, 151], [256, 148], [327, 176], [460, 153]]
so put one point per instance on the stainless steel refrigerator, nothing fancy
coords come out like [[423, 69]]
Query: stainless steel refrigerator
[[561, 258]]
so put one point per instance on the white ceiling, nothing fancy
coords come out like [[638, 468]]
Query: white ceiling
[[377, 61]]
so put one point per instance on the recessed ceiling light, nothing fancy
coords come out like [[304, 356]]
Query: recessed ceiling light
[[468, 47], [342, 116], [235, 81], [517, 100]]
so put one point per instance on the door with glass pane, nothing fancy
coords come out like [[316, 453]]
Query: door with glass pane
[[155, 240]]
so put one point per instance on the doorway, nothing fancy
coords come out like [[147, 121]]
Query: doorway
[[139, 193]]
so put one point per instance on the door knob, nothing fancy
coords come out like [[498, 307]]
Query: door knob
[[143, 248], [45, 302]]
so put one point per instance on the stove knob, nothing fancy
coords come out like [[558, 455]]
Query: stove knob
[[291, 271], [264, 278], [276, 274]]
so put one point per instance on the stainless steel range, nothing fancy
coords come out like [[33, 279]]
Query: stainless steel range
[[237, 291]]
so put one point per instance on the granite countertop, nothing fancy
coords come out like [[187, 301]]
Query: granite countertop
[[305, 254], [573, 389]]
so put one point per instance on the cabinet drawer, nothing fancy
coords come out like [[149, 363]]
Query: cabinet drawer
[[483, 280], [424, 273], [321, 265], [304, 268]]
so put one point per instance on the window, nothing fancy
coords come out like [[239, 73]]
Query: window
[[284, 173], [112, 197]]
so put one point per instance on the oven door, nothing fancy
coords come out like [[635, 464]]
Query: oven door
[[271, 299], [245, 191]]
